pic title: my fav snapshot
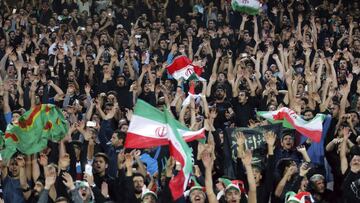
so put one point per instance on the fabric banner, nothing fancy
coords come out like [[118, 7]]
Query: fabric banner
[[289, 119], [182, 67], [33, 130], [251, 7], [148, 128], [254, 141]]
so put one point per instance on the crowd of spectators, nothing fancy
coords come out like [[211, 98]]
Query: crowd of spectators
[[94, 59]]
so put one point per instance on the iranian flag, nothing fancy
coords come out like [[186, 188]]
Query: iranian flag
[[251, 7], [182, 153], [312, 129], [191, 94], [148, 128], [182, 67]]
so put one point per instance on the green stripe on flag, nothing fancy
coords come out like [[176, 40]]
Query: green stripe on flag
[[146, 110], [187, 168]]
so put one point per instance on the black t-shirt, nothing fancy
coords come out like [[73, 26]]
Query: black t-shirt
[[148, 97], [124, 97], [351, 187], [243, 112], [220, 119]]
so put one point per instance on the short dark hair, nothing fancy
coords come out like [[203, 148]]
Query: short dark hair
[[283, 163], [309, 110], [138, 174], [41, 180], [103, 155], [59, 199]]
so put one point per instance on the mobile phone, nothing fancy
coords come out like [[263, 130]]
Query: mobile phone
[[137, 36], [147, 60], [82, 28], [88, 169], [14, 11], [90, 124]]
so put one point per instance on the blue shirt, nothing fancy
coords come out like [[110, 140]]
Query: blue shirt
[[12, 191]]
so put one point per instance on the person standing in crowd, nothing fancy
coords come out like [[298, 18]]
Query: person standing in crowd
[[95, 59]]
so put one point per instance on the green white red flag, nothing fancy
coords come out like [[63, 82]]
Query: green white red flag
[[191, 94], [312, 129], [148, 128], [182, 153], [182, 67], [251, 7]]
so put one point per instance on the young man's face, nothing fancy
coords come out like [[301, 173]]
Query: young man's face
[[120, 81], [308, 115], [149, 199], [14, 168], [334, 109], [84, 193], [232, 196], [197, 196], [304, 184], [354, 118], [124, 128], [257, 175], [242, 97], [115, 140], [287, 142], [100, 165], [15, 118], [138, 183], [38, 187]]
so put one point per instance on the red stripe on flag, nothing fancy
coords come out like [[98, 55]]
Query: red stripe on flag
[[192, 87], [177, 182], [178, 63], [138, 141], [201, 135], [198, 70], [314, 135], [48, 125], [11, 136], [29, 121]]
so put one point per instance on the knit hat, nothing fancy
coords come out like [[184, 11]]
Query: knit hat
[[83, 184], [194, 185], [302, 197], [233, 184], [147, 191]]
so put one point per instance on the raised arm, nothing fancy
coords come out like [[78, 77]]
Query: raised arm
[[343, 159], [6, 105], [246, 159], [216, 62], [212, 81], [208, 162]]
